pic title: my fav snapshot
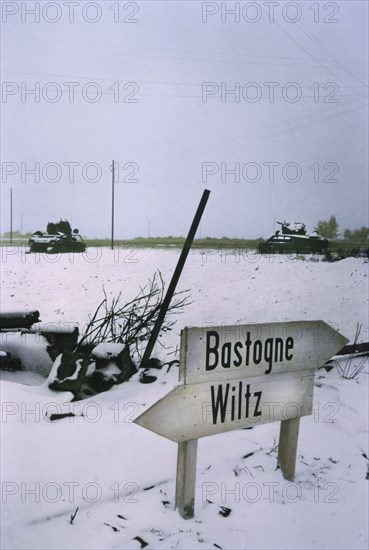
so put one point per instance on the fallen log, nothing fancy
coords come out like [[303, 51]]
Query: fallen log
[[19, 319], [350, 349], [59, 338]]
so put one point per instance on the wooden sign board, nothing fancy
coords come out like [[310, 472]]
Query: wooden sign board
[[198, 410], [225, 352], [239, 376]]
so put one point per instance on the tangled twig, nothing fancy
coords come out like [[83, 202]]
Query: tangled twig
[[131, 324]]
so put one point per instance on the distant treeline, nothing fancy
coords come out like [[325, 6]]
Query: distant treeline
[[350, 241]]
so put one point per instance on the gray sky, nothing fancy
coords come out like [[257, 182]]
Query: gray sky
[[289, 143]]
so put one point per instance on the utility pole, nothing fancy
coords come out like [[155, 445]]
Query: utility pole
[[11, 215], [112, 204], [148, 229]]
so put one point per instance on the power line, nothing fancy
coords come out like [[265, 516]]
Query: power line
[[266, 133]]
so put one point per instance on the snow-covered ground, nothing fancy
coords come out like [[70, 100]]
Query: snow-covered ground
[[121, 477]]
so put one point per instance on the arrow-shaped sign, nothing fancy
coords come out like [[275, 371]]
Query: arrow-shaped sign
[[199, 410], [236, 377], [232, 389], [223, 352]]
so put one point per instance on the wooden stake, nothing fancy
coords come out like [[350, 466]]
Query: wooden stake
[[186, 478], [175, 278], [112, 204], [11, 215], [287, 449]]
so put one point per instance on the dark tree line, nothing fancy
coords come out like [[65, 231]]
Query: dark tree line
[[329, 230]]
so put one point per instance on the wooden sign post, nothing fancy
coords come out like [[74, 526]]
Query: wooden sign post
[[233, 377]]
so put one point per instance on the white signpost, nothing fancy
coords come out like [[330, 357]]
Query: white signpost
[[233, 377]]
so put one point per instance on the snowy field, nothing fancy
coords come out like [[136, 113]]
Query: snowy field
[[118, 479]]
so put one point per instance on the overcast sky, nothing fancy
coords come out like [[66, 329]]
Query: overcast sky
[[263, 103]]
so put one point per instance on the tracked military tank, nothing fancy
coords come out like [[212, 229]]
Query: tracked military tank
[[293, 238], [58, 237]]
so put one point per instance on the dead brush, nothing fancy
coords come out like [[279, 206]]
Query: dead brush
[[350, 368], [131, 323]]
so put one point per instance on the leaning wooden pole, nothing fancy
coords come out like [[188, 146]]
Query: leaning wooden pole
[[112, 204], [176, 275], [11, 215]]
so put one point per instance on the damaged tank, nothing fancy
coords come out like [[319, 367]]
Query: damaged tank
[[294, 238], [58, 237]]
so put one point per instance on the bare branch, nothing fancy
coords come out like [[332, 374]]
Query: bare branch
[[131, 323]]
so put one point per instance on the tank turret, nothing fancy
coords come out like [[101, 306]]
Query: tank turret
[[292, 238], [58, 237]]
